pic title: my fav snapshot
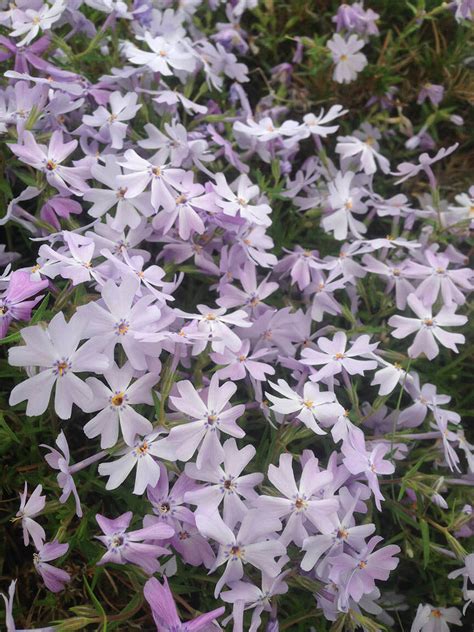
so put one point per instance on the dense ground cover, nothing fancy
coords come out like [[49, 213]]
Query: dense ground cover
[[234, 315]]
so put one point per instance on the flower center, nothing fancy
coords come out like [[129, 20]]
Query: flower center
[[118, 399], [210, 316], [122, 327], [338, 356], [117, 541], [300, 504], [3, 310], [51, 165], [211, 419], [342, 534], [121, 192], [436, 613], [183, 535], [236, 551], [141, 449], [343, 58], [428, 322], [362, 564], [164, 508], [61, 367], [181, 199], [156, 171]]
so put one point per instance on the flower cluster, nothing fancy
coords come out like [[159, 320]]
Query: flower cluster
[[254, 400]]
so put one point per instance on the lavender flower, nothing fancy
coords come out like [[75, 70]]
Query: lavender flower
[[164, 610], [29, 509], [132, 546], [428, 328], [54, 578]]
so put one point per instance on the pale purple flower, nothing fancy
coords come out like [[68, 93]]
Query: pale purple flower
[[428, 328], [347, 58], [255, 598], [164, 610], [49, 159], [211, 415], [358, 460], [142, 456], [408, 170], [312, 406], [215, 324], [298, 263], [59, 460], [59, 207], [54, 578], [150, 277], [115, 403], [237, 364], [354, 18], [120, 321], [366, 152], [165, 180], [55, 350], [254, 544], [396, 275], [432, 91], [110, 123], [73, 262], [335, 537], [357, 573], [225, 483], [28, 510], [129, 211], [437, 278], [266, 130], [424, 399], [132, 547], [185, 214], [168, 504], [14, 304], [334, 356], [300, 503], [323, 301], [253, 293], [433, 619], [239, 201]]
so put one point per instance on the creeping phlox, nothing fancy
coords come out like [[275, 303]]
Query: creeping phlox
[[187, 348]]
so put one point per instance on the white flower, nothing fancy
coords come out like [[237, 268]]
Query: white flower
[[30, 22], [167, 54], [344, 201], [55, 351], [345, 55]]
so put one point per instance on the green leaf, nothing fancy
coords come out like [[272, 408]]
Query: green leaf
[[97, 605], [425, 536], [8, 431]]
